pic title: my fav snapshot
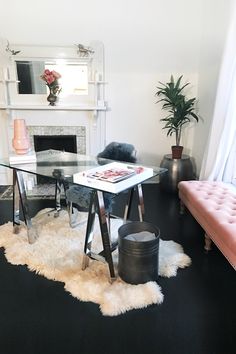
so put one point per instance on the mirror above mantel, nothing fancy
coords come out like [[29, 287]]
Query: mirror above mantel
[[81, 69], [74, 76]]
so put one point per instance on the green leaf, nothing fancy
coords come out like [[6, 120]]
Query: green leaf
[[180, 108]]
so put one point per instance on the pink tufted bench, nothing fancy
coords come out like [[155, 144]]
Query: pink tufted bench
[[213, 205]]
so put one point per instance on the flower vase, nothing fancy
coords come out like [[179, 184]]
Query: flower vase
[[20, 141], [52, 98]]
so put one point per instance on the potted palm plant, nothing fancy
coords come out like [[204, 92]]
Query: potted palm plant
[[180, 110]]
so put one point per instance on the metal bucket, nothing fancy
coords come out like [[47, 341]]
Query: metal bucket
[[138, 260]]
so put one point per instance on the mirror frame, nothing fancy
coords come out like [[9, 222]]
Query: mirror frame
[[94, 62]]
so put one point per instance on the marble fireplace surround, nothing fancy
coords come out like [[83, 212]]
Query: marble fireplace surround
[[79, 132]]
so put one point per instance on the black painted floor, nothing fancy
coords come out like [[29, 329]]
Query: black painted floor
[[198, 315]]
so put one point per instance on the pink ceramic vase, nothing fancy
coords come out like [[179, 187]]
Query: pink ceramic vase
[[20, 141]]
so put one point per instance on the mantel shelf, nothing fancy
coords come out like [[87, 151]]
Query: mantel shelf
[[98, 82], [52, 108], [93, 82], [7, 81]]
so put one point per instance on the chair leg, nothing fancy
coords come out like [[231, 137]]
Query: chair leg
[[58, 198], [73, 213], [70, 211]]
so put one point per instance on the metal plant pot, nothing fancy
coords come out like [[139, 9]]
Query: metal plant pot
[[178, 170]]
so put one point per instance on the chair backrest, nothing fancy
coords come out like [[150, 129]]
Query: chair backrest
[[119, 152]]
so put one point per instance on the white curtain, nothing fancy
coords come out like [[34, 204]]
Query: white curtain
[[219, 162]]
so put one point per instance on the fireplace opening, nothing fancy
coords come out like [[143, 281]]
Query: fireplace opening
[[57, 142]]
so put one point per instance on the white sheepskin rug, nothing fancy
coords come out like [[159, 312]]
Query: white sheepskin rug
[[57, 255]]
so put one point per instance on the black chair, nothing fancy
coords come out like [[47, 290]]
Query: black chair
[[119, 152]]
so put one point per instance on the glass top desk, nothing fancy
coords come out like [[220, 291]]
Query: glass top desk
[[75, 169]]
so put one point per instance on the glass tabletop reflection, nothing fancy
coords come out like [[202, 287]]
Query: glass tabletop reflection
[[66, 166]]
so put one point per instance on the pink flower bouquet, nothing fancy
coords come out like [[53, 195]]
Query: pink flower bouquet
[[50, 77]]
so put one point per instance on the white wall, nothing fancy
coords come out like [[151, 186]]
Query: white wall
[[145, 42]]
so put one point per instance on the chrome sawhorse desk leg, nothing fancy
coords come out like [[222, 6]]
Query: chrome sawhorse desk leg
[[97, 201], [89, 233], [97, 204], [105, 233], [19, 195], [141, 210]]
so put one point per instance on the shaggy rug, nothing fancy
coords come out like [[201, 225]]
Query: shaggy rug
[[57, 255], [40, 191]]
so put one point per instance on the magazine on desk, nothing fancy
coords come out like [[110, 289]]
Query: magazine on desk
[[113, 177], [113, 174]]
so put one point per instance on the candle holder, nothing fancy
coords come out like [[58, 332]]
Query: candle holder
[[20, 141]]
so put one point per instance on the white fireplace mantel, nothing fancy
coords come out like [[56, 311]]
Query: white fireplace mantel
[[52, 108], [87, 111]]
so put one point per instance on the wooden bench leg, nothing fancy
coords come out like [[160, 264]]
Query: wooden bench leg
[[182, 208], [208, 242]]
